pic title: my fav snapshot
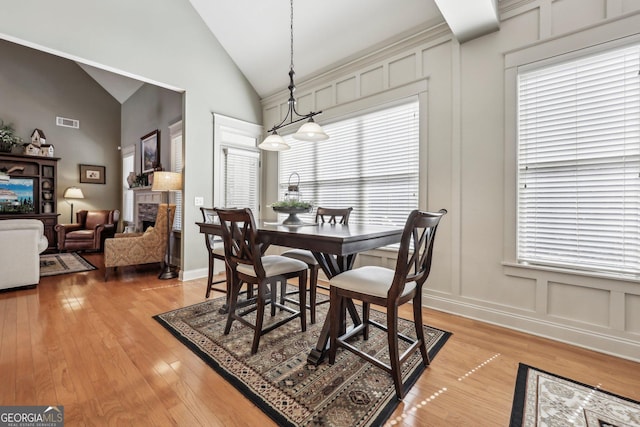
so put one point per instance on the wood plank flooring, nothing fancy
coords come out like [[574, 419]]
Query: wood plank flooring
[[94, 348]]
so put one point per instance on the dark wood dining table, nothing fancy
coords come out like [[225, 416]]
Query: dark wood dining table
[[334, 246]]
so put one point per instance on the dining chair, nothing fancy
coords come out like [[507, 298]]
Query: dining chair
[[324, 215], [388, 288], [247, 264], [215, 253]]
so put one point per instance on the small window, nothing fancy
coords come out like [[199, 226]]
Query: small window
[[175, 133], [241, 169], [128, 157]]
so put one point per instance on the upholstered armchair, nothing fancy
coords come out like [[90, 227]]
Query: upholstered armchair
[[89, 232], [138, 248], [23, 241]]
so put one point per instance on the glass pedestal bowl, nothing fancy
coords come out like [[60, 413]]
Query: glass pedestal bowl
[[293, 212]]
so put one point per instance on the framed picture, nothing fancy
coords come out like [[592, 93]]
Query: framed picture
[[92, 174], [150, 151]]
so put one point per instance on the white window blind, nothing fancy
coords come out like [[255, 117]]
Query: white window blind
[[177, 166], [370, 163], [128, 157], [579, 163], [241, 168]]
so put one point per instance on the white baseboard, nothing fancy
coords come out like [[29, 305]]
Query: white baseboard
[[198, 273], [592, 340]]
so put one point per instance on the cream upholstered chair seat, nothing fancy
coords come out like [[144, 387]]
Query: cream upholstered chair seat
[[301, 255], [274, 265], [219, 252], [372, 280]]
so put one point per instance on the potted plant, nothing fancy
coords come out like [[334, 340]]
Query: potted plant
[[8, 138]]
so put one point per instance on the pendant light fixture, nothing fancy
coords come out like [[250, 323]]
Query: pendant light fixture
[[310, 131]]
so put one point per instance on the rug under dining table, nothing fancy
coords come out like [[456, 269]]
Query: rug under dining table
[[278, 378]]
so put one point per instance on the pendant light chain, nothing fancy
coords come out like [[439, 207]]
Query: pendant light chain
[[291, 27]]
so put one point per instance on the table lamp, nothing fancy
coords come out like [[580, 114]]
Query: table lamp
[[72, 193], [167, 182]]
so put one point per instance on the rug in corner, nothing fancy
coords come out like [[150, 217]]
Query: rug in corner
[[278, 378], [63, 263], [545, 399]]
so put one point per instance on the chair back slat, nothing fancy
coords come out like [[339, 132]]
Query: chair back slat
[[416, 251], [333, 215], [240, 237]]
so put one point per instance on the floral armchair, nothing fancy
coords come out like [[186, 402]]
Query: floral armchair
[[138, 248]]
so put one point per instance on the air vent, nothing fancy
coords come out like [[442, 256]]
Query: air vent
[[68, 123]]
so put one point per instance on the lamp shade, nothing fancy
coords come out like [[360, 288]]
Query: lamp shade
[[167, 181], [274, 142], [310, 131], [73, 193]]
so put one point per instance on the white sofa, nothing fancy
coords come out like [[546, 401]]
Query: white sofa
[[21, 242]]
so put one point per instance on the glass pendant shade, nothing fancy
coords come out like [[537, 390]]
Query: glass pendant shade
[[274, 142], [310, 131]]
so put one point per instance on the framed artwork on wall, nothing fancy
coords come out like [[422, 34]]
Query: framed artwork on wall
[[92, 174], [150, 151]]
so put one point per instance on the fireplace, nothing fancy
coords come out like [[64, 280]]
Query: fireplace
[[147, 224], [145, 207], [147, 213]]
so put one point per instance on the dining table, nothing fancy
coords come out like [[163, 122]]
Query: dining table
[[335, 247]]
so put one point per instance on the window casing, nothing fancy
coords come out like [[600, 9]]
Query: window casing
[[579, 163], [370, 162]]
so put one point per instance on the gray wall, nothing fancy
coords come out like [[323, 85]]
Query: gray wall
[[35, 87], [468, 155], [165, 43], [149, 108]]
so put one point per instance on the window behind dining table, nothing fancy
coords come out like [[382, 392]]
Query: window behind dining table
[[240, 177], [370, 162], [579, 162]]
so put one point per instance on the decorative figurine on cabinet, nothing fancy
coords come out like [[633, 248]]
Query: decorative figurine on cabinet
[[38, 138], [30, 149], [46, 150]]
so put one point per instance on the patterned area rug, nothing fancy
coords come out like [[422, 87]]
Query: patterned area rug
[[63, 263], [278, 379], [544, 399]]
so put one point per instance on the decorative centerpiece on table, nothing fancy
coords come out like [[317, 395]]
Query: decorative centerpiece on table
[[292, 203]]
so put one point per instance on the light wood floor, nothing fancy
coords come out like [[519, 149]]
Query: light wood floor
[[94, 348]]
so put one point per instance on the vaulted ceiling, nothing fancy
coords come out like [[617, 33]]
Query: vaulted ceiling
[[326, 33]]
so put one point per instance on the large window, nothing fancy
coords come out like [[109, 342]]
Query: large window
[[579, 163], [370, 162]]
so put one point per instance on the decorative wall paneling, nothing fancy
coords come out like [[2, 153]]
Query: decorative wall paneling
[[467, 135]]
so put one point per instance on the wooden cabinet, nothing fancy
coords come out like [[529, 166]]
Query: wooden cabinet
[[30, 190]]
